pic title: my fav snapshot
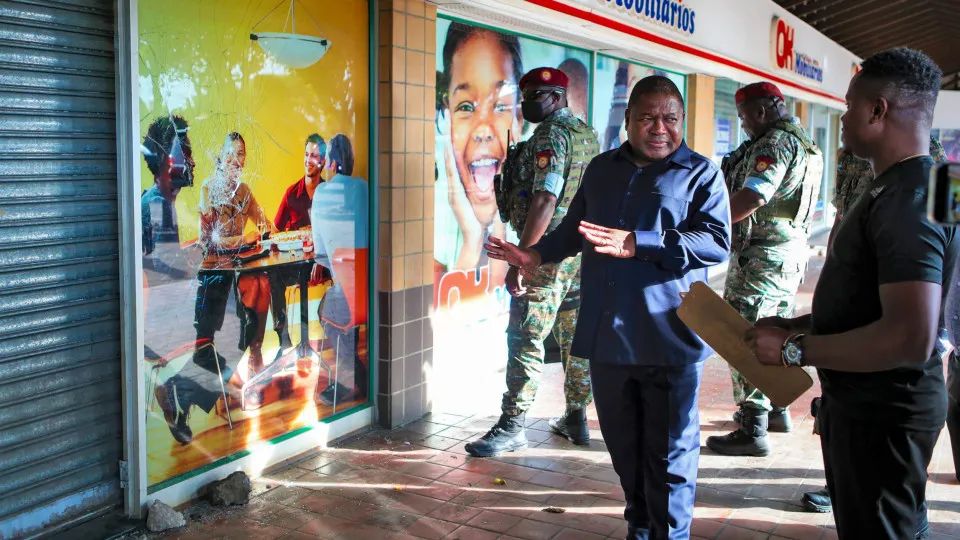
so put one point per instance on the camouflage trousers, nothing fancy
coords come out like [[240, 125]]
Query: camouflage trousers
[[532, 317], [759, 288]]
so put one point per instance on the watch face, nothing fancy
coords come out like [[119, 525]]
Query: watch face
[[792, 354]]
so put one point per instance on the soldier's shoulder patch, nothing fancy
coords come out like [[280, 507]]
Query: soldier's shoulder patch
[[543, 158], [762, 163]]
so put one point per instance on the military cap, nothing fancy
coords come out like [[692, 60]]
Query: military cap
[[758, 90], [545, 76]]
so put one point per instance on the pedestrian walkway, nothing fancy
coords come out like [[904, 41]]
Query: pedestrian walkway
[[417, 482]]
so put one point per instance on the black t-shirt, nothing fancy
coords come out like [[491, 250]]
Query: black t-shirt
[[885, 238]]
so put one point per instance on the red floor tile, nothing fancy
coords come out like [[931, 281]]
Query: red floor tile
[[470, 533], [493, 521], [455, 513], [533, 530], [431, 528]]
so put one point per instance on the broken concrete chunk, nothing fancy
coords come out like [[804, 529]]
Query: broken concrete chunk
[[234, 489], [161, 517]]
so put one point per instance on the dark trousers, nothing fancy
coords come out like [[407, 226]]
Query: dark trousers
[[876, 474], [953, 407], [210, 307], [651, 425]]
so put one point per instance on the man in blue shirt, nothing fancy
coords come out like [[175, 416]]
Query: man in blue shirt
[[649, 218]]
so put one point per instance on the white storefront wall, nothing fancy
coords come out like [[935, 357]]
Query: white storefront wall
[[730, 38], [947, 114]]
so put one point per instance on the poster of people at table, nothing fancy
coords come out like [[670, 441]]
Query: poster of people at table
[[477, 117], [611, 91], [255, 207]]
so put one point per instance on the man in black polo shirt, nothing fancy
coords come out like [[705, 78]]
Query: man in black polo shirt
[[873, 328]]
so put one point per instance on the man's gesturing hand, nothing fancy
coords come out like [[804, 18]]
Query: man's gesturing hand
[[617, 243], [524, 258]]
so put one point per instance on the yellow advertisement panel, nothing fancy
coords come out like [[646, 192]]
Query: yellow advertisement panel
[[255, 141]]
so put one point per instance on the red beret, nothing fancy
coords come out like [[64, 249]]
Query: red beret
[[758, 90], [545, 76]]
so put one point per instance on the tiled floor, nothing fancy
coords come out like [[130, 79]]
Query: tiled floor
[[418, 483]]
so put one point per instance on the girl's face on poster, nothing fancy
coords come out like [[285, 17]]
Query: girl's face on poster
[[483, 106], [234, 159]]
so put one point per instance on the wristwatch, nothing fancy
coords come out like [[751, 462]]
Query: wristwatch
[[792, 351]]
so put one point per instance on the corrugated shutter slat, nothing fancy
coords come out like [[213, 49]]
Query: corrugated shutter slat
[[60, 376]]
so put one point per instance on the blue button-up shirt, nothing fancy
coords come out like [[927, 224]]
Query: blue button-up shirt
[[679, 211]]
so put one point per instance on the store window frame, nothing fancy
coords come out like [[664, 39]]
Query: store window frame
[[737, 136], [134, 478]]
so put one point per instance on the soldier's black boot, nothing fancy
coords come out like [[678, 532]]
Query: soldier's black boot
[[817, 501], [573, 426], [778, 420], [507, 435], [749, 440]]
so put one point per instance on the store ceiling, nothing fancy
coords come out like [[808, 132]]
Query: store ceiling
[[867, 26]]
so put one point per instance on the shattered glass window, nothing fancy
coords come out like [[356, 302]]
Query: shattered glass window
[[255, 202]]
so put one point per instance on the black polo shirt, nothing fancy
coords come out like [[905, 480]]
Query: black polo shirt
[[885, 238]]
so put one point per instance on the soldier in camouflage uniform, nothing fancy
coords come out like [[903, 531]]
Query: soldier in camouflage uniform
[[577, 389], [774, 180], [539, 179], [854, 177]]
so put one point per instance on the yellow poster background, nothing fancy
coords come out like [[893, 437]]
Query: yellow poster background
[[197, 60]]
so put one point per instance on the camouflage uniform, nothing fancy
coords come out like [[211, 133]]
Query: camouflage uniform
[[854, 175], [554, 157], [576, 384], [769, 252]]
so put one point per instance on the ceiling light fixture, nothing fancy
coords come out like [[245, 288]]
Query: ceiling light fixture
[[296, 51]]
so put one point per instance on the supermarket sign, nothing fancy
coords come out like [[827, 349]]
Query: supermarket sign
[[786, 56], [666, 13]]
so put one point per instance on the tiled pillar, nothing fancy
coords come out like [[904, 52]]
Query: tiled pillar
[[700, 117], [407, 79]]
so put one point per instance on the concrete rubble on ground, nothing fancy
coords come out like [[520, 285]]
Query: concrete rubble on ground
[[234, 489], [161, 517]]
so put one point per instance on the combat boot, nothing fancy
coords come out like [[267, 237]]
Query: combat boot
[[778, 420], [507, 435], [817, 501], [749, 440], [573, 426]]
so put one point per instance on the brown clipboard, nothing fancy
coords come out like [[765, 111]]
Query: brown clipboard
[[722, 328]]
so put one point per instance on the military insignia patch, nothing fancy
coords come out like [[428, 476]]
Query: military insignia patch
[[546, 75], [763, 163], [543, 159]]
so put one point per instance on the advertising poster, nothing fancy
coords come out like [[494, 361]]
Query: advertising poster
[[255, 148], [950, 139], [611, 91], [478, 116]]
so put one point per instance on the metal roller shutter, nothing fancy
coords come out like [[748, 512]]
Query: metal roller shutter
[[60, 385]]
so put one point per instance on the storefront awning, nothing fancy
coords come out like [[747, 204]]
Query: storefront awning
[[867, 26]]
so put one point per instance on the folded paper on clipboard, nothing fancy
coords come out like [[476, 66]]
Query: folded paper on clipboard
[[722, 328]]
